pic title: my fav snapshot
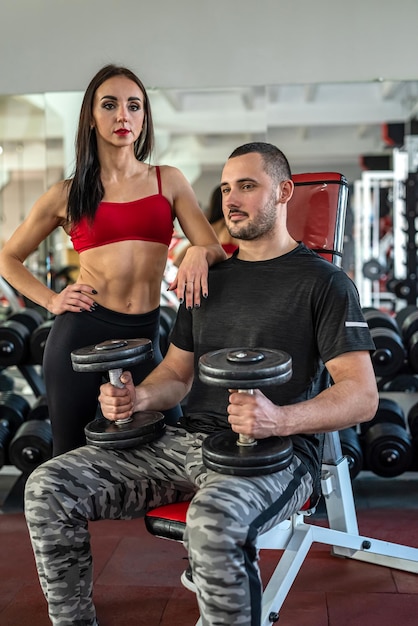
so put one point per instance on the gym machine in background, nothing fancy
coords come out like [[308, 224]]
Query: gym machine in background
[[385, 206]]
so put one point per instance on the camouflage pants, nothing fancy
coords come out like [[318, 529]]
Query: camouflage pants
[[225, 516]]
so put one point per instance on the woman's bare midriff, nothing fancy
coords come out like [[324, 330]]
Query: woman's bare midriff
[[126, 275]]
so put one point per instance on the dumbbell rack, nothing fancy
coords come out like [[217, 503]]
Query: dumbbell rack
[[405, 400], [13, 478], [26, 439], [384, 446], [388, 444]]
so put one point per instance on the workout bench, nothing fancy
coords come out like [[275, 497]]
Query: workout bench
[[316, 216]]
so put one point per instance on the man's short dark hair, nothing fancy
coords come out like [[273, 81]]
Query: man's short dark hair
[[275, 163]]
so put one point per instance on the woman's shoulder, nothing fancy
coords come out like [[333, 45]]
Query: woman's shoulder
[[53, 202], [59, 190], [170, 173], [173, 182]]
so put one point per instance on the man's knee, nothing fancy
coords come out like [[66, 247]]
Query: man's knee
[[36, 483], [44, 488], [213, 517]]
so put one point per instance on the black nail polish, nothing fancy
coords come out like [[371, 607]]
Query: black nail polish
[[94, 291], [181, 300], [197, 306]]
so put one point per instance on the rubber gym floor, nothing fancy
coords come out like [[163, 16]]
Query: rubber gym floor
[[137, 576]]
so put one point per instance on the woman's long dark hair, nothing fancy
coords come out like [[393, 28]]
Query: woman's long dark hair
[[86, 191]]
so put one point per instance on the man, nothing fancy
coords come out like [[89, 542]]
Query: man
[[273, 293]]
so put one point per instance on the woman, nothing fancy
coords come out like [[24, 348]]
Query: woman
[[119, 212], [216, 219]]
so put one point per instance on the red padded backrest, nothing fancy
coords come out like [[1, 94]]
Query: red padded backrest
[[316, 212]]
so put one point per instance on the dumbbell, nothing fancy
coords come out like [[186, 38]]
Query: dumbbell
[[31, 445], [13, 412], [39, 409], [413, 422], [167, 318], [113, 356], [402, 382], [38, 340], [32, 442], [407, 319], [389, 355], [14, 336], [376, 318], [245, 369], [351, 448], [387, 446], [7, 383], [31, 318], [373, 269]]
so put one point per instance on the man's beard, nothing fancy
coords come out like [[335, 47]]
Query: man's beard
[[261, 224]]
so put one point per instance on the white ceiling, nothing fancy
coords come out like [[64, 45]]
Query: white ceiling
[[321, 126], [314, 78]]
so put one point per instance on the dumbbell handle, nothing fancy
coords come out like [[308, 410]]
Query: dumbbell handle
[[245, 440], [114, 378]]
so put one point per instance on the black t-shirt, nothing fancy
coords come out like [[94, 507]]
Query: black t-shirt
[[298, 303]]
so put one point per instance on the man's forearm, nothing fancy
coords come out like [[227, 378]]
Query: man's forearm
[[336, 408], [161, 390]]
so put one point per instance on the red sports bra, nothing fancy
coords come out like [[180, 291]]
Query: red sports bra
[[146, 219], [229, 248]]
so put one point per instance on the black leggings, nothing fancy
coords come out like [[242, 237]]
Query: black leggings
[[72, 396]]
